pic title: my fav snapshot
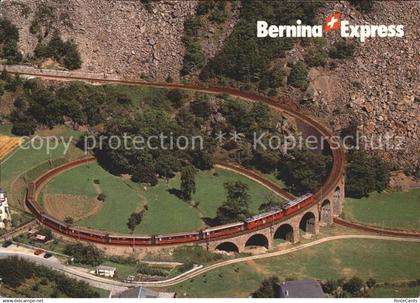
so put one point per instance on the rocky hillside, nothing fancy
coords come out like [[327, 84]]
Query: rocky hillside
[[377, 89], [131, 38]]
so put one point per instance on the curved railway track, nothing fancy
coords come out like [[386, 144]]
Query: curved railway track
[[338, 158]]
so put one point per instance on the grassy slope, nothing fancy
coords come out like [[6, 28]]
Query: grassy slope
[[395, 292], [118, 192], [389, 209], [24, 160], [382, 260], [166, 213]]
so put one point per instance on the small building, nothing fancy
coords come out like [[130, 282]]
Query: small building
[[143, 293], [5, 216], [106, 271], [41, 238], [300, 289]]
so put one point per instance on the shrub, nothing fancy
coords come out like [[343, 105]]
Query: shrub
[[101, 197], [65, 53], [316, 57], [342, 50], [298, 75], [363, 5], [69, 220], [9, 38], [146, 269], [176, 97], [85, 254]]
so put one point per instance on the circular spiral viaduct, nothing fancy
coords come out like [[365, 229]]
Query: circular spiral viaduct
[[328, 200]]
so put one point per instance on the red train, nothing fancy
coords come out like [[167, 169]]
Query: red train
[[255, 222]]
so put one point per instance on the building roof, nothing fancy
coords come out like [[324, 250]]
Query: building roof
[[103, 267], [300, 289], [138, 292]]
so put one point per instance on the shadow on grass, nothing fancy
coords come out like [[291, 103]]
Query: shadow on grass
[[211, 221], [176, 192]]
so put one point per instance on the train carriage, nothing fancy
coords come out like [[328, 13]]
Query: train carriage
[[298, 203], [132, 240], [183, 237], [83, 234], [224, 230]]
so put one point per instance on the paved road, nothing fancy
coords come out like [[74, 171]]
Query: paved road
[[117, 286], [113, 286]]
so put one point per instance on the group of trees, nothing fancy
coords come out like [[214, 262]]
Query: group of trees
[[194, 57], [268, 288], [245, 57], [236, 206], [341, 288], [347, 288], [215, 9], [187, 182], [40, 105], [365, 173], [15, 272], [66, 53], [9, 38], [84, 254]]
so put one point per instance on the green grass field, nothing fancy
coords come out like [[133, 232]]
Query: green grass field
[[387, 209], [6, 130], [395, 292], [385, 261], [26, 159], [166, 212], [121, 196]]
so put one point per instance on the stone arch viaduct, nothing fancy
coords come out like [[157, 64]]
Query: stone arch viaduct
[[328, 200]]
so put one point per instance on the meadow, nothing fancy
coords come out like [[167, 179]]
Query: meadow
[[166, 213], [385, 261], [387, 209]]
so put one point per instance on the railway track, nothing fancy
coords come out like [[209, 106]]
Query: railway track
[[338, 158], [378, 230]]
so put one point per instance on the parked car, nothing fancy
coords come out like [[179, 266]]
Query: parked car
[[48, 255], [38, 252], [6, 243]]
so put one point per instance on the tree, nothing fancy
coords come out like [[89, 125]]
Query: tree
[[304, 171], [187, 182], [365, 174], [236, 205], [135, 219], [46, 232], [176, 97], [298, 75], [270, 202], [354, 285], [268, 288]]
